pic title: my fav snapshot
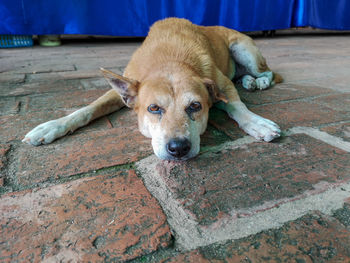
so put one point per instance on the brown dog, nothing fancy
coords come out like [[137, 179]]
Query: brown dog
[[171, 81]]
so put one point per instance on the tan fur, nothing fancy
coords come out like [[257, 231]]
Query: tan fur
[[180, 63]]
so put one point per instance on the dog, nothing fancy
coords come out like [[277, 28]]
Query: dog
[[173, 78]]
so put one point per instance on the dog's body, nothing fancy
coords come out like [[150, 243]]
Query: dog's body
[[171, 81]]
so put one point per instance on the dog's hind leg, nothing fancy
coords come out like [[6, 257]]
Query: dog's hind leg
[[253, 72], [49, 131]]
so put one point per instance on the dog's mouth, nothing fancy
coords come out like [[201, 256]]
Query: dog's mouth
[[176, 159], [177, 149]]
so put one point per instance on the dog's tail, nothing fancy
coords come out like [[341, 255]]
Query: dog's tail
[[277, 78]]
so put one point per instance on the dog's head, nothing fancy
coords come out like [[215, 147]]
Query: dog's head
[[173, 111]]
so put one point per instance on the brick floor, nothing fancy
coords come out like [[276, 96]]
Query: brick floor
[[312, 238], [339, 130], [256, 176], [81, 154], [100, 195], [111, 217], [302, 113], [282, 92]]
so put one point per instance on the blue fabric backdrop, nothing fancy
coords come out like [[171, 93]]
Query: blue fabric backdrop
[[326, 14], [133, 17]]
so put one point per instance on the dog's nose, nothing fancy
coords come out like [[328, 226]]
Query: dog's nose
[[178, 147]]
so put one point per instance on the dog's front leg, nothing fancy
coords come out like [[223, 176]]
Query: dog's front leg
[[253, 124], [49, 131]]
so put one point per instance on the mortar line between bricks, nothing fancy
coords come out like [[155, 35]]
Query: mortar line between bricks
[[322, 136], [326, 197]]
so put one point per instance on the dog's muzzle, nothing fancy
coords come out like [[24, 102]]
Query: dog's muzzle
[[178, 147]]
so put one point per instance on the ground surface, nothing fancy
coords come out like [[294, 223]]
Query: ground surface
[[100, 195]]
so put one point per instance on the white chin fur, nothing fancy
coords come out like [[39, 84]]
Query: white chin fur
[[159, 143]]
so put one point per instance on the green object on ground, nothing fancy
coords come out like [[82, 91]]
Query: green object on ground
[[49, 40]]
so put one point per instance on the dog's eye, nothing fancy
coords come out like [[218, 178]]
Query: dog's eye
[[155, 109], [195, 106]]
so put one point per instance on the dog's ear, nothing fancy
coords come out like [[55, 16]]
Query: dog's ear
[[215, 93], [126, 88]]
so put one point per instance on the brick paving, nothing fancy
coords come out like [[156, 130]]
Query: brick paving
[[100, 195]]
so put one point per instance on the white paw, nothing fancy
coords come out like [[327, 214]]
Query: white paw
[[248, 82], [262, 83], [46, 132], [261, 128]]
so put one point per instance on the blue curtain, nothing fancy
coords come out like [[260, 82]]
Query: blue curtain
[[134, 17], [326, 14]]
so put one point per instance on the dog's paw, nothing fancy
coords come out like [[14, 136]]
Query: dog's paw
[[262, 83], [248, 82], [262, 129], [264, 80], [46, 133]]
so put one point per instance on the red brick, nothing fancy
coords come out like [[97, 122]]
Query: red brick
[[69, 100], [222, 122], [338, 102], [300, 113], [212, 137], [94, 83], [312, 112], [337, 81], [57, 85], [9, 105], [104, 218], [66, 75], [36, 68], [125, 117], [313, 238], [255, 176], [81, 152], [102, 143], [11, 78], [339, 130], [281, 92], [14, 127]]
